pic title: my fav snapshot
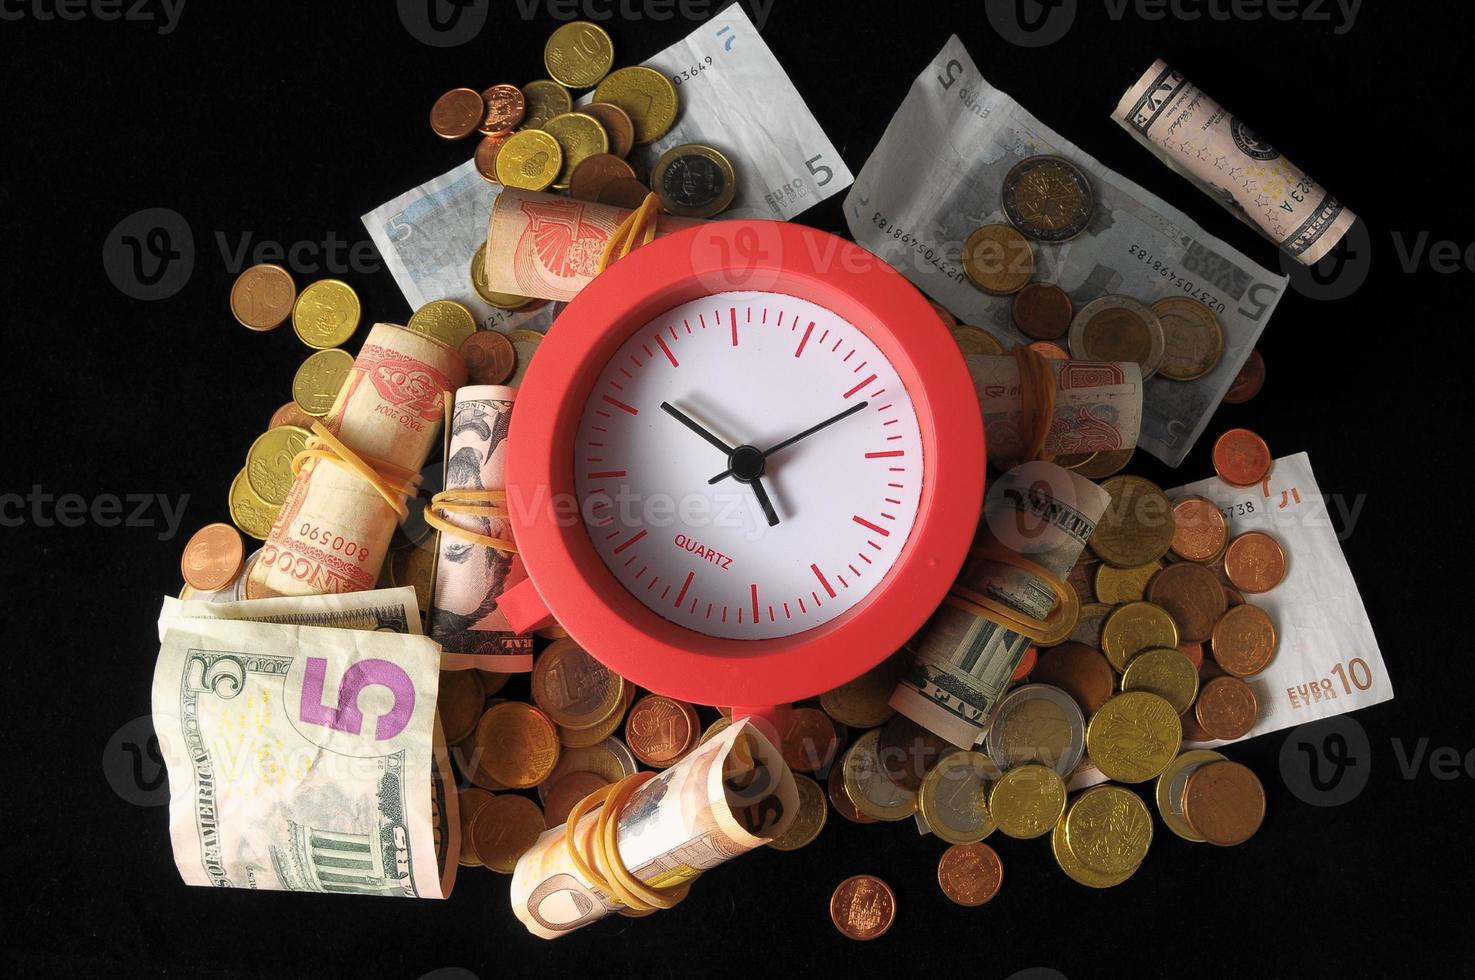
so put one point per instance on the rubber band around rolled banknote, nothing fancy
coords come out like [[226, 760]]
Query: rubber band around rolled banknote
[[324, 445], [470, 503], [603, 867], [1037, 389], [1058, 625], [638, 229]]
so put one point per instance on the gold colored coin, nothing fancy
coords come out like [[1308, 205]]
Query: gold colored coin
[[1169, 790], [470, 801], [250, 513], [519, 744], [976, 340], [326, 314], [1028, 801], [1088, 625], [954, 797], [713, 730], [269, 461], [1134, 737], [1115, 586], [998, 260], [809, 821], [602, 759], [573, 688], [579, 137], [317, 382], [1107, 462], [868, 786], [525, 342], [545, 99], [694, 181], [502, 301], [530, 159], [1077, 870], [415, 567], [1193, 341], [444, 320], [862, 703], [459, 703], [504, 828], [1136, 626], [1137, 526], [579, 54], [1165, 672], [577, 738], [1109, 829], [646, 95]]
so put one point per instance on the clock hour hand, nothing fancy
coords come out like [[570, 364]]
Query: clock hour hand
[[691, 424], [764, 502], [802, 435]]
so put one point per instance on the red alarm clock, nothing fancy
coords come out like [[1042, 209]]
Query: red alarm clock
[[744, 467]]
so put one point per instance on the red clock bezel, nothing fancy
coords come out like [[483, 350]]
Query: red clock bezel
[[573, 581]]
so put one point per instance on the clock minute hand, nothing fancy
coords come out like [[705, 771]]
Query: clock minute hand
[[691, 424], [840, 416]]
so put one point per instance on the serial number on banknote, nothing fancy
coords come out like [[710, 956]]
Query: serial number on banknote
[[928, 253], [333, 541], [688, 74], [1184, 284], [1343, 680]]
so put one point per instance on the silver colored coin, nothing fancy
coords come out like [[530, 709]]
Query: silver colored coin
[[880, 797], [236, 591], [1037, 723], [1175, 795], [1118, 328], [1048, 198]]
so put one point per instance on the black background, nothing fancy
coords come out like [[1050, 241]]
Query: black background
[[289, 120]]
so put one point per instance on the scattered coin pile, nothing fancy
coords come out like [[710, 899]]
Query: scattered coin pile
[[534, 139], [1048, 199]]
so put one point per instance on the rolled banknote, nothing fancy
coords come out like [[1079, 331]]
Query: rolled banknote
[[382, 610], [302, 758], [549, 246], [962, 663], [334, 527], [470, 577], [1098, 406], [712, 806], [1194, 135], [938, 174]]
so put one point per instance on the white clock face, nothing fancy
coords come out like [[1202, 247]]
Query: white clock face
[[793, 532]]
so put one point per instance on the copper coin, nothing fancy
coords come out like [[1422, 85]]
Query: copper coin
[[944, 313], [1192, 595], [457, 113], [486, 156], [505, 108], [970, 874], [593, 172], [212, 557], [1231, 595], [1080, 671], [1248, 382], [490, 357], [1194, 652], [616, 123], [1227, 708], [1081, 578], [262, 297], [811, 741], [290, 414], [1192, 730], [1224, 802], [840, 800], [907, 752], [1050, 349], [624, 192], [863, 907], [1241, 458], [660, 730], [1026, 664], [1255, 562], [567, 791], [1042, 311], [1244, 641], [1199, 529]]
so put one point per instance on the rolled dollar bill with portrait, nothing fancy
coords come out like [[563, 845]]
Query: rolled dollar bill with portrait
[[1098, 406], [963, 661], [1194, 135], [728, 796], [548, 247], [471, 576], [334, 527], [303, 758]]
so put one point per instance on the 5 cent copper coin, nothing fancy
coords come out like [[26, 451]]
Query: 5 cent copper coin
[[212, 557], [1042, 311], [1248, 382], [262, 297], [1244, 641], [1192, 595], [1227, 708], [490, 357], [457, 113], [970, 874], [1241, 458], [505, 108], [1199, 529], [863, 907], [1224, 802], [1255, 562]]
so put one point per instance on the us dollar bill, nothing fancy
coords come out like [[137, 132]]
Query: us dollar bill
[[302, 758], [937, 175], [380, 611], [963, 661]]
